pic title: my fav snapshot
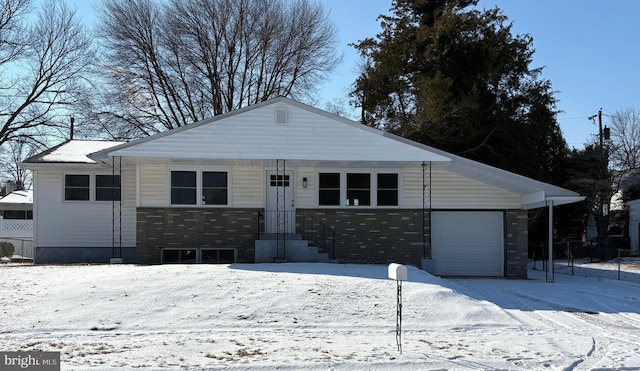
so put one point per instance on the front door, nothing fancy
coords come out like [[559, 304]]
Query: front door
[[280, 208]]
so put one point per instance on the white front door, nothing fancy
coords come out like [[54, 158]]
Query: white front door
[[280, 208]]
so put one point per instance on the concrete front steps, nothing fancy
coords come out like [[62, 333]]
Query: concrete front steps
[[296, 250]]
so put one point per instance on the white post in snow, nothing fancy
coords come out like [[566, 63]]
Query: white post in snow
[[398, 272], [550, 242]]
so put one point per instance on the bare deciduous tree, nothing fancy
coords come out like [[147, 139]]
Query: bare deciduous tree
[[40, 69], [625, 139], [13, 153], [170, 64], [624, 152]]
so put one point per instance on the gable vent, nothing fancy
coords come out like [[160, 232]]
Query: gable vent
[[281, 116]]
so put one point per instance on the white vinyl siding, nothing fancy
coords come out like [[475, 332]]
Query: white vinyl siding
[[452, 191], [153, 188], [412, 188], [79, 224], [253, 135], [128, 207], [247, 186], [306, 197]]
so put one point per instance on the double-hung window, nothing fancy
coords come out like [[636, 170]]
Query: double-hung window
[[210, 187], [77, 187], [108, 187], [329, 189], [90, 187], [387, 189], [358, 189], [214, 188], [183, 187]]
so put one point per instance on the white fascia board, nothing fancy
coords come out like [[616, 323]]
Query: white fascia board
[[555, 200], [533, 198], [61, 166]]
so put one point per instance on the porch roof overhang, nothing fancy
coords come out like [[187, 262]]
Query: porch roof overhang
[[534, 193]]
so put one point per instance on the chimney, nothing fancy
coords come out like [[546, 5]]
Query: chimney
[[71, 128]]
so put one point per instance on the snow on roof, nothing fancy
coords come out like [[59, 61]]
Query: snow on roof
[[18, 197], [73, 151]]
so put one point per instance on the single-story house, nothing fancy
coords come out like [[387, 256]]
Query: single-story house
[[282, 181], [16, 222], [634, 226], [17, 205]]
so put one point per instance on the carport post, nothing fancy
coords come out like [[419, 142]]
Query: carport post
[[550, 242]]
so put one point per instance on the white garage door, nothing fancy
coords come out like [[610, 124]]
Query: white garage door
[[468, 243]]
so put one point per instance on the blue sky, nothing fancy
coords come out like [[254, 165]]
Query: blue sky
[[590, 51]]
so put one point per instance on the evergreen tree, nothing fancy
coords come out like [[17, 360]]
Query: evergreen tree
[[449, 75]]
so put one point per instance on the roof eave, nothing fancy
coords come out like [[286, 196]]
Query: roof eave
[[552, 201]]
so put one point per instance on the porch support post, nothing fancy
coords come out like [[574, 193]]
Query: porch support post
[[281, 213], [116, 210], [550, 242], [426, 208]]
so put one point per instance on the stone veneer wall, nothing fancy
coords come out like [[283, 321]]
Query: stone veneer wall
[[195, 227], [378, 236], [517, 241]]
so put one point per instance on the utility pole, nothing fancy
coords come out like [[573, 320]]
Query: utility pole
[[602, 133], [600, 129]]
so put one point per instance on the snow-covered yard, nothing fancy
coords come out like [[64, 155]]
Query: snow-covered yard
[[318, 316]]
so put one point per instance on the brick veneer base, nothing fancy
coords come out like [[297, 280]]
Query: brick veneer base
[[376, 235], [196, 228]]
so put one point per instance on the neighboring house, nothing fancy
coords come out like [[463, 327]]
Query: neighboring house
[[634, 226], [16, 222], [262, 183]]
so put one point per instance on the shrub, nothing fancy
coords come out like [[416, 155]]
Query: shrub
[[6, 249]]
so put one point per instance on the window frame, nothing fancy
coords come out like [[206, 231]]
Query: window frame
[[92, 186], [331, 189], [89, 187], [26, 214], [200, 186], [95, 188], [396, 189], [373, 187], [216, 188], [359, 202], [193, 188]]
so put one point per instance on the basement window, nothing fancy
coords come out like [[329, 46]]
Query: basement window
[[218, 256], [182, 256], [198, 255]]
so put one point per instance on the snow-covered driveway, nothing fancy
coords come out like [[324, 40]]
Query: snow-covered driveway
[[315, 316]]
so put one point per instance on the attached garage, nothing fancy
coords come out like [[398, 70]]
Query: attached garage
[[468, 243]]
